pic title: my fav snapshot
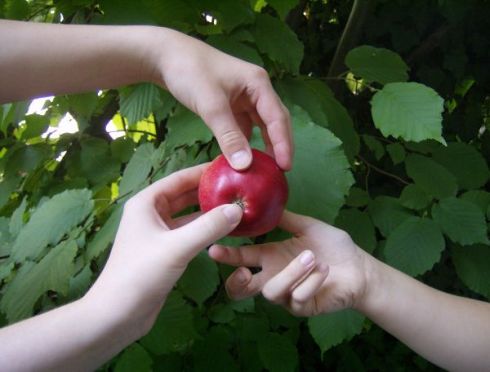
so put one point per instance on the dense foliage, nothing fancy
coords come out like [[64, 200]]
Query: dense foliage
[[390, 103]]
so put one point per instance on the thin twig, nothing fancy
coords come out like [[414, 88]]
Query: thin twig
[[381, 171]]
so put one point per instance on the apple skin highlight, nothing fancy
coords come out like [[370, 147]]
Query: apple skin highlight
[[261, 191]]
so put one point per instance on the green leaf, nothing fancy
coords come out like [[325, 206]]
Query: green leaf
[[173, 329], [283, 7], [315, 97], [137, 170], [357, 197], [329, 330], [413, 197], [35, 126], [462, 221], [53, 273], [212, 352], [221, 313], [430, 176], [359, 226], [480, 198], [278, 353], [134, 358], [5, 237], [105, 236], [397, 152], [7, 186], [376, 64], [51, 221], [137, 102], [200, 279], [96, 162], [186, 128], [320, 178], [472, 265], [122, 149], [465, 162], [275, 39], [414, 246], [235, 48], [374, 145], [387, 214], [16, 9], [26, 158], [5, 270], [410, 111], [17, 219]]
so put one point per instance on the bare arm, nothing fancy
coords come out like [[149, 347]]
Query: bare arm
[[451, 331]]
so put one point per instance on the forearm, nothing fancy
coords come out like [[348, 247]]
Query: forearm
[[47, 59], [451, 331], [78, 336]]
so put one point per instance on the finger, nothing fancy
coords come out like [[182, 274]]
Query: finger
[[206, 229], [276, 118], [243, 256], [246, 123], [183, 201], [242, 284], [231, 139], [279, 288], [296, 223], [308, 288]]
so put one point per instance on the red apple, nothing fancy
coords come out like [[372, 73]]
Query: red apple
[[261, 191]]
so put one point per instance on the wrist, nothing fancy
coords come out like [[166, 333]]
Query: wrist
[[373, 284]]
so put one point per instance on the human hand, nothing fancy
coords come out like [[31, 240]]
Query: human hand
[[319, 270], [229, 94], [152, 249]]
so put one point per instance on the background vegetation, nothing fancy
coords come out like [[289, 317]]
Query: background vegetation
[[390, 103]]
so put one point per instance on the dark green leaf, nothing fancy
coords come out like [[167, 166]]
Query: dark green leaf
[[137, 170], [465, 162], [134, 358], [277, 353], [357, 197], [186, 128], [414, 246], [283, 7], [376, 64], [200, 279], [462, 221], [414, 197], [221, 313], [430, 176], [387, 214], [122, 149], [374, 145], [235, 48], [275, 39], [359, 226], [396, 152], [329, 330], [35, 126], [472, 265], [480, 198]]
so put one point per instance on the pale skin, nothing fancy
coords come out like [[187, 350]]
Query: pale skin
[[151, 250], [321, 270], [229, 94]]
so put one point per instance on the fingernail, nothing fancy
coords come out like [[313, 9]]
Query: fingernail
[[307, 258], [233, 213], [240, 159], [241, 277]]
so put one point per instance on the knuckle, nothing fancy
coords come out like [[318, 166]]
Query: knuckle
[[259, 73]]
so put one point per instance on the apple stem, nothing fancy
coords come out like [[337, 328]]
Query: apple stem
[[240, 203]]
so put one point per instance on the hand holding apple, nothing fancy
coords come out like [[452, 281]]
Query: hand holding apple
[[261, 191]]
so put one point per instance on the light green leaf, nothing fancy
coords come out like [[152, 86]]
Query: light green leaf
[[430, 176], [275, 39], [186, 128], [413, 197], [17, 219], [137, 170], [472, 265], [359, 226], [200, 279], [462, 221], [376, 64], [465, 162], [329, 330], [278, 353], [105, 236], [410, 111], [7, 186], [80, 283], [53, 273], [387, 214], [414, 246], [235, 48], [51, 221], [5, 270], [173, 329], [320, 178], [138, 101], [134, 358], [5, 237]]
